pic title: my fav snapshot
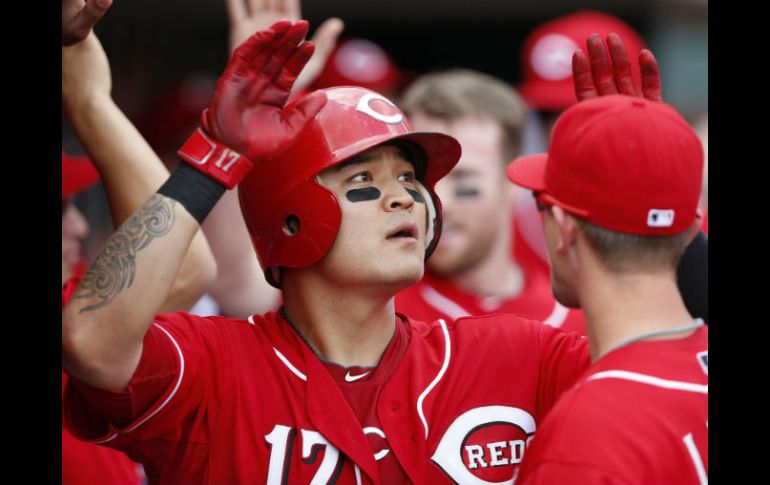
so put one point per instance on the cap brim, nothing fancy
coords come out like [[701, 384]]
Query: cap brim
[[528, 171], [77, 174]]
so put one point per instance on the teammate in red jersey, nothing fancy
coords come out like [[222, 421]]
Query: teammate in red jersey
[[482, 263], [620, 188], [338, 197], [130, 172], [548, 86], [83, 463]]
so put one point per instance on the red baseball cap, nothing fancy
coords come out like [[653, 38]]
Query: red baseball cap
[[623, 163], [546, 58], [77, 174], [359, 62]]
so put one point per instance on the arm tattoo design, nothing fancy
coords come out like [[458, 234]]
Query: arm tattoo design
[[115, 267]]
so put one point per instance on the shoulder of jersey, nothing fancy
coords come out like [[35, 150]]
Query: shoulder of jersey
[[487, 322]]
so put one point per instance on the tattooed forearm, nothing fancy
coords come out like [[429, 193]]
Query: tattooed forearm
[[115, 267]]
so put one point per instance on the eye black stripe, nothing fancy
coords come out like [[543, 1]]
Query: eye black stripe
[[416, 196], [364, 194], [470, 192]]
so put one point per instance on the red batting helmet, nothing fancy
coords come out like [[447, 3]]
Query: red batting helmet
[[292, 219], [546, 57]]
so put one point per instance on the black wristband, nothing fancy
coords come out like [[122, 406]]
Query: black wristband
[[196, 191]]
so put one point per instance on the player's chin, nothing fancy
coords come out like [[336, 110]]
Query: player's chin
[[404, 273]]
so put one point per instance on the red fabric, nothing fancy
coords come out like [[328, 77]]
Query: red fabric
[[546, 56], [434, 297], [359, 62], [623, 163], [77, 174], [150, 379], [85, 463], [245, 393], [638, 431], [362, 394]]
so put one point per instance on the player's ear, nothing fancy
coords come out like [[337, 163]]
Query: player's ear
[[695, 228], [566, 226]]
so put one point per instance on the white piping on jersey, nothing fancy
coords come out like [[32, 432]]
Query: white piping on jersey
[[689, 443], [651, 380], [288, 364], [557, 316], [358, 474], [442, 303], [447, 356], [170, 396], [453, 310], [251, 319], [112, 437]]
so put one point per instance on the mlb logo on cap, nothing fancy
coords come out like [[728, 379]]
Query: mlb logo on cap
[[660, 218], [623, 163]]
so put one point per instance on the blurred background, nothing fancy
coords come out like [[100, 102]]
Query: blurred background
[[165, 55]]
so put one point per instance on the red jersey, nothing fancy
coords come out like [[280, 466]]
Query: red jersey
[[85, 463], [638, 415], [251, 403], [435, 297]]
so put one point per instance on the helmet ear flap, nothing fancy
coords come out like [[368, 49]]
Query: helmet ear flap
[[273, 276], [433, 227]]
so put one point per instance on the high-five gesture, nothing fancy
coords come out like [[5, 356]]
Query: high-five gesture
[[78, 17], [249, 16], [603, 73], [247, 110]]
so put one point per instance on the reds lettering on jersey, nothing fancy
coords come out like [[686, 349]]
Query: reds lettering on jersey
[[252, 404]]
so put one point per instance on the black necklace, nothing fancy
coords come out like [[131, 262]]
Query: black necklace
[[285, 316]]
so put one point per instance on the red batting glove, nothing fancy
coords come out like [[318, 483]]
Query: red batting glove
[[602, 73], [245, 121]]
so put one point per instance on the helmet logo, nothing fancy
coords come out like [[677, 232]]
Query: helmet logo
[[364, 106]]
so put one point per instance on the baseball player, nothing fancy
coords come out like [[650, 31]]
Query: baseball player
[[549, 88], [83, 463], [337, 193], [130, 171], [482, 263], [619, 187]]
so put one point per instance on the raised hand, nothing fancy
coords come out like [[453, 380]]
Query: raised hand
[[78, 17], [603, 73], [85, 74], [249, 16], [247, 111]]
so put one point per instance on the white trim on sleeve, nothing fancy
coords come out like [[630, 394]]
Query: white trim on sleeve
[[168, 399], [651, 380]]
